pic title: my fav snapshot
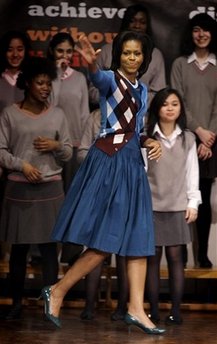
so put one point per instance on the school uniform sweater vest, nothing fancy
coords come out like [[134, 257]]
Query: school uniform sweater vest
[[167, 177]]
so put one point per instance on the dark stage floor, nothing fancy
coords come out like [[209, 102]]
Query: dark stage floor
[[32, 328]]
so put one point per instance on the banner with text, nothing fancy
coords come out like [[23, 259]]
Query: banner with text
[[43, 19]]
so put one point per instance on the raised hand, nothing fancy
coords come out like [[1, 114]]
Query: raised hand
[[85, 48]]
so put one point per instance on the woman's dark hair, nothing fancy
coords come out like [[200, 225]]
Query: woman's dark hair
[[157, 102], [34, 67], [117, 48], [130, 13], [5, 41], [58, 39], [206, 22]]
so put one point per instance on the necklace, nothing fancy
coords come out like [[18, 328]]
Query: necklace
[[134, 85]]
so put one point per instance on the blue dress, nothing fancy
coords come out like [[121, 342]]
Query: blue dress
[[108, 206]]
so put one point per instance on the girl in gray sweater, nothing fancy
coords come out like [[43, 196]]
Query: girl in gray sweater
[[194, 76], [34, 142]]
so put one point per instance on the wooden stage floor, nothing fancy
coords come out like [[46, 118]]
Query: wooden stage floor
[[32, 328]]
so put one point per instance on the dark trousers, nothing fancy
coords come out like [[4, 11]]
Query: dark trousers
[[18, 262], [70, 251], [204, 219]]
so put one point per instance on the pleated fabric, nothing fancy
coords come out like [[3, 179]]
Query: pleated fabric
[[29, 211], [171, 228], [108, 206]]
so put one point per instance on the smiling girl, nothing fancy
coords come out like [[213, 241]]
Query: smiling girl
[[194, 75], [70, 93], [175, 196], [34, 142], [14, 52]]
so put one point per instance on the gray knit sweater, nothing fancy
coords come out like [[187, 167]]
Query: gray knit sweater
[[18, 129], [199, 91], [9, 94], [71, 95]]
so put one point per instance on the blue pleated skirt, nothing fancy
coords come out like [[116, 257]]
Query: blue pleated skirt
[[108, 206]]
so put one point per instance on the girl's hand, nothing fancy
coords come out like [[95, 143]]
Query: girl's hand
[[44, 144], [190, 215], [62, 63], [207, 137], [203, 152], [86, 49], [32, 174], [154, 149]]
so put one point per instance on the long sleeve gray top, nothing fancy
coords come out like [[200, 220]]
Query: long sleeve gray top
[[71, 95], [198, 89], [9, 94], [19, 128], [91, 131]]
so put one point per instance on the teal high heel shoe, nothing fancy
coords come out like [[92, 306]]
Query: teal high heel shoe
[[131, 320], [45, 293]]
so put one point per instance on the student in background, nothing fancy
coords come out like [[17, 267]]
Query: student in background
[[70, 93], [192, 75], [34, 142], [174, 184], [14, 52]]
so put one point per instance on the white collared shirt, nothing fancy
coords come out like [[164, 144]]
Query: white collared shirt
[[11, 78], [211, 58], [67, 73]]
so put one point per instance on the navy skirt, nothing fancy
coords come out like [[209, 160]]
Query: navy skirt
[[108, 206]]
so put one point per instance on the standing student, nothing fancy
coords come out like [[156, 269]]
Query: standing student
[[174, 184], [108, 206], [70, 93], [193, 74], [34, 142], [14, 52]]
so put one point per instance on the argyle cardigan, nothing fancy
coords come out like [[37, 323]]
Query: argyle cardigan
[[121, 118]]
